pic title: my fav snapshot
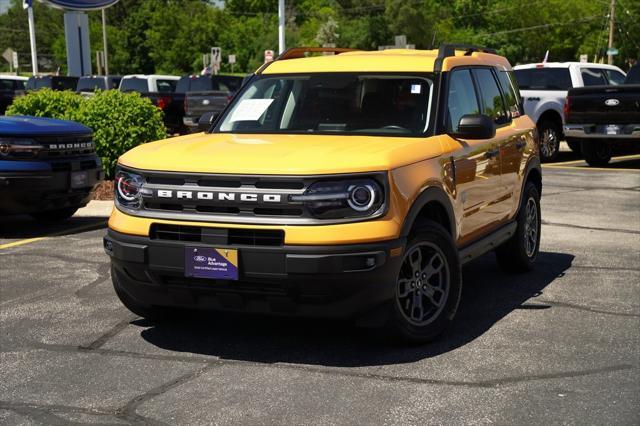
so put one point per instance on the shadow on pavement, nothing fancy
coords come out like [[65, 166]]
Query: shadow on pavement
[[488, 296], [20, 227]]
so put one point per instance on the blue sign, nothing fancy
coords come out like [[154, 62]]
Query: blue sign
[[215, 263], [81, 4]]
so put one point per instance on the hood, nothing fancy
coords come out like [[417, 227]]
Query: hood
[[280, 154], [24, 126]]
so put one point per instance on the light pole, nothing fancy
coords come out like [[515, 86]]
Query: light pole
[[281, 45], [104, 41], [32, 36]]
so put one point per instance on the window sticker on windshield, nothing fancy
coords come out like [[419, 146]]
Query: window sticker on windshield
[[416, 89], [250, 109]]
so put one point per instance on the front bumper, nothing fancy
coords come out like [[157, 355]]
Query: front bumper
[[338, 281], [593, 131], [48, 186]]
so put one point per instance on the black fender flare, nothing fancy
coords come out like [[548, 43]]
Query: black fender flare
[[533, 164], [432, 193]]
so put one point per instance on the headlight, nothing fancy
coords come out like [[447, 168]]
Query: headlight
[[128, 189], [343, 199], [16, 149]]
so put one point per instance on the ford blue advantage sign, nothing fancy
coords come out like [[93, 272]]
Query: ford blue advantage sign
[[81, 4]]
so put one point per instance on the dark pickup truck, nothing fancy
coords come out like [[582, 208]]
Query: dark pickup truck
[[208, 93], [600, 117], [47, 167]]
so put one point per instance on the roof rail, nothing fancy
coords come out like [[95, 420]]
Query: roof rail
[[446, 50], [300, 52]]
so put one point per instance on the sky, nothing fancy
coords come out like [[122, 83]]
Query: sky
[[4, 5]]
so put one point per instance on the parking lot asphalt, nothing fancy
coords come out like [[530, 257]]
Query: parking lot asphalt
[[559, 345]]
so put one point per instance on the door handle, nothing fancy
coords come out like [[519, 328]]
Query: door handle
[[521, 143], [492, 153]]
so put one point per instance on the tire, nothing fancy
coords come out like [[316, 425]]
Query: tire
[[55, 215], [596, 153], [149, 312], [519, 253], [550, 134], [432, 247], [575, 146]]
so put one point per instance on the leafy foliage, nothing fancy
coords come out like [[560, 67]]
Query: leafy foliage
[[47, 103], [120, 121]]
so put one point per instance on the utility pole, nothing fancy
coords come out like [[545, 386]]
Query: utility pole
[[612, 15], [281, 45], [104, 41], [28, 4]]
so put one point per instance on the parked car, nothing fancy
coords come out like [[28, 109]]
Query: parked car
[[544, 88], [54, 82], [159, 89], [601, 117], [328, 189], [208, 93], [47, 167], [10, 87], [87, 85]]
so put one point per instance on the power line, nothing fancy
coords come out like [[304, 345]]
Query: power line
[[535, 27]]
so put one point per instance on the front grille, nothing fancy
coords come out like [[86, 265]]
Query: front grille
[[65, 146], [220, 236]]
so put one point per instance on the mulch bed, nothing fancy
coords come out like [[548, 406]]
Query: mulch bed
[[104, 191]]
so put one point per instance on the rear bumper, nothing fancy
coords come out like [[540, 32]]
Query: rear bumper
[[316, 281], [593, 131], [24, 191]]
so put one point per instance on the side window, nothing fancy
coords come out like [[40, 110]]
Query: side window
[[461, 99], [510, 95], [490, 97], [593, 77], [615, 77]]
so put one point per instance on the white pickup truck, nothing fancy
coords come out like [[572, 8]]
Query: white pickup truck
[[544, 88]]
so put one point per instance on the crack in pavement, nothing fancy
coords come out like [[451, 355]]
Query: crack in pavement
[[587, 308], [129, 411], [112, 332], [592, 228], [103, 275], [46, 413], [493, 383]]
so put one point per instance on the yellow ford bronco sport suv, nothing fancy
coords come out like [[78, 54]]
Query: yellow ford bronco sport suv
[[345, 185]]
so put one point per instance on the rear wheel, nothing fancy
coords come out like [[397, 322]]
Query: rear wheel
[[55, 215], [519, 253], [428, 287], [549, 140], [596, 153]]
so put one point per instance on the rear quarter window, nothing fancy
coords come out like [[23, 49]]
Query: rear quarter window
[[593, 77], [134, 85], [543, 79], [166, 86]]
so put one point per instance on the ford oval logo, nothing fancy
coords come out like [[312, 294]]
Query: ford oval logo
[[612, 102], [200, 258], [206, 102]]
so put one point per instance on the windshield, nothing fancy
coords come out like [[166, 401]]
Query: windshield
[[332, 103]]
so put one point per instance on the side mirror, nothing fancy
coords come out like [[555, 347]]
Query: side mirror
[[475, 126], [206, 120]]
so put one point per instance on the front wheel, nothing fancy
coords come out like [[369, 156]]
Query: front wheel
[[428, 287], [519, 253], [596, 153], [549, 140]]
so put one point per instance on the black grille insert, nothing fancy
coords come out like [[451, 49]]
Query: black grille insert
[[223, 236]]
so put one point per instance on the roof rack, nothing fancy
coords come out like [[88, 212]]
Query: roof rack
[[300, 52], [447, 50]]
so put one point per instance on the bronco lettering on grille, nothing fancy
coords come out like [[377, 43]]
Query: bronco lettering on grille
[[219, 196]]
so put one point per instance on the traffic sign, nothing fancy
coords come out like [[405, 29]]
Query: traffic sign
[[584, 58], [8, 54], [232, 59], [612, 51], [216, 55], [14, 58]]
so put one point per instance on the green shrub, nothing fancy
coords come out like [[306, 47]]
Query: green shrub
[[47, 103], [120, 121]]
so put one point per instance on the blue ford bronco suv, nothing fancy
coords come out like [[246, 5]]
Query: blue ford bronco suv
[[48, 167]]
